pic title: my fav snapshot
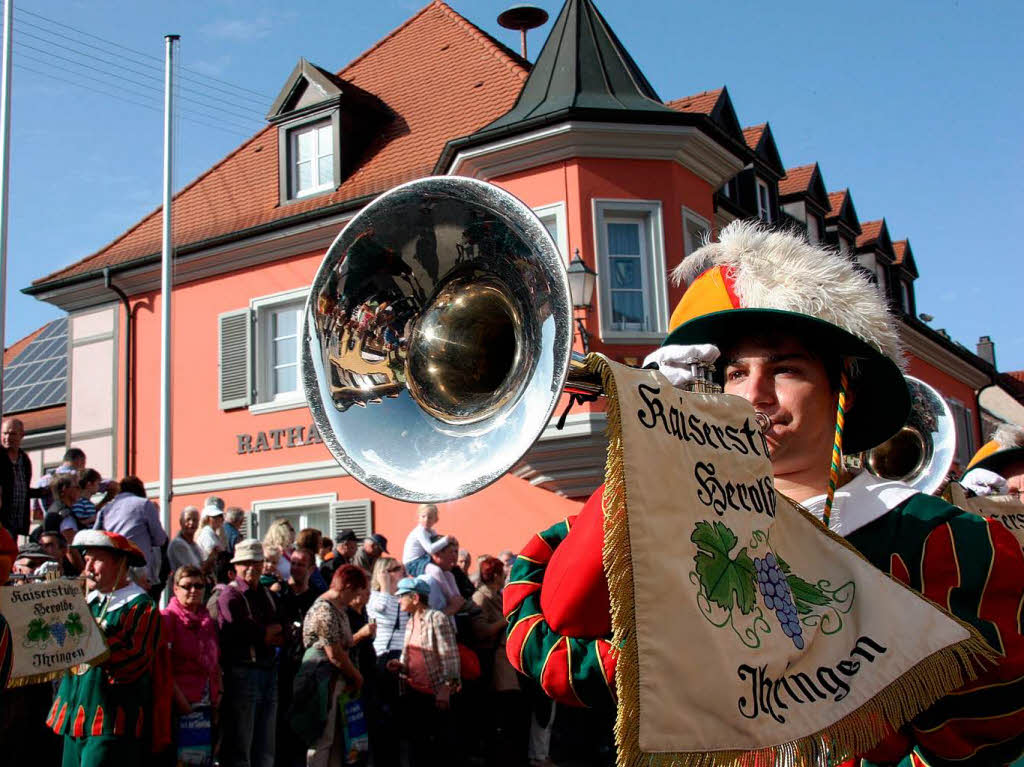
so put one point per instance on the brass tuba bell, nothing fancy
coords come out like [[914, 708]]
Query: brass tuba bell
[[437, 338], [921, 453]]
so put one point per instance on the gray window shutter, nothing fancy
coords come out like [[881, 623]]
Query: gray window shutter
[[354, 515], [234, 360]]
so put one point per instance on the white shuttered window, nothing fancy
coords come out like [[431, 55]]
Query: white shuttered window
[[259, 350]]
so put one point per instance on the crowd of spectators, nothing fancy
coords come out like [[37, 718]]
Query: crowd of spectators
[[298, 648]]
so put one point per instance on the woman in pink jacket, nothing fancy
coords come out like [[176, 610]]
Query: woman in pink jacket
[[191, 634]]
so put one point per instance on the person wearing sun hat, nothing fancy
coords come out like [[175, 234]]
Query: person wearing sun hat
[[252, 633], [803, 334], [106, 712]]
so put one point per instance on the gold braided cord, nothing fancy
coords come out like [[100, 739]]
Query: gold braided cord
[[837, 447]]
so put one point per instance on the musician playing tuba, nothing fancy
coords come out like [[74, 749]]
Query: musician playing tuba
[[802, 334]]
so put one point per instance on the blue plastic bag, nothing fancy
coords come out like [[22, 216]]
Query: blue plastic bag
[[357, 740]]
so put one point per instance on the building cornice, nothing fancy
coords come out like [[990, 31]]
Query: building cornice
[[937, 355], [684, 144], [569, 462]]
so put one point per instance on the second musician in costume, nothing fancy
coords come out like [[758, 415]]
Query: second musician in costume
[[105, 712]]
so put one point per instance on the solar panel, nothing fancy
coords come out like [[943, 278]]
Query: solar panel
[[37, 377]]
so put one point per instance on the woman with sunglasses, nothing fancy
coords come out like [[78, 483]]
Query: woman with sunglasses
[[191, 635], [383, 609]]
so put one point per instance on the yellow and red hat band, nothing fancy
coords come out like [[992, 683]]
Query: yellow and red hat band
[[713, 291]]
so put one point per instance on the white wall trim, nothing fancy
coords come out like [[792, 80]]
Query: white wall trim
[[281, 297], [294, 502], [276, 406], [557, 209], [651, 213], [233, 480], [684, 144], [97, 337]]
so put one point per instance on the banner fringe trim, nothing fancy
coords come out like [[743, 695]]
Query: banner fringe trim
[[945, 670]]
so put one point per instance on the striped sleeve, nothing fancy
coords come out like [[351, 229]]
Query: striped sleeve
[[133, 642], [575, 671], [974, 568]]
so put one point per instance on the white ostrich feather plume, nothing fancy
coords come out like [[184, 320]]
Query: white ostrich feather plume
[[1009, 435], [779, 270]]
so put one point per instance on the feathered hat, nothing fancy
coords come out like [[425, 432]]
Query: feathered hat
[[756, 279], [1006, 445]]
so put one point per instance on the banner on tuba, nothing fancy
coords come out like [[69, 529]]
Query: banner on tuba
[[805, 649]]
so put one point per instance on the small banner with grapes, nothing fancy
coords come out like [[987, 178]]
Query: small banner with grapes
[[52, 629], [748, 633]]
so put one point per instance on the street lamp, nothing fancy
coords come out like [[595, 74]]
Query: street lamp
[[581, 290]]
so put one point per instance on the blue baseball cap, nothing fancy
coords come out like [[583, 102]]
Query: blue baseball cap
[[412, 585]]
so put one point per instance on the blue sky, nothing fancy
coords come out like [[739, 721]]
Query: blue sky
[[914, 106]]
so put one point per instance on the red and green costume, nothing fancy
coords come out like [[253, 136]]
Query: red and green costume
[[557, 606], [105, 714]]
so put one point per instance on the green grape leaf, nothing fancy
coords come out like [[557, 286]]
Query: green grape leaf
[[726, 581], [805, 594], [74, 624], [38, 631]]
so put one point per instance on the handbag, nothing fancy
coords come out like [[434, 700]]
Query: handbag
[[469, 663]]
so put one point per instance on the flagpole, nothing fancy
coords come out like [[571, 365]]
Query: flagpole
[[5, 170], [165, 289]]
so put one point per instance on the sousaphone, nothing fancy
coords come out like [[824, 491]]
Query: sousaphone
[[437, 338]]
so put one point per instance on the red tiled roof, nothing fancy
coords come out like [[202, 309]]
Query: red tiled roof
[[900, 248], [869, 231], [701, 103], [14, 349], [1016, 375], [752, 135], [471, 78], [796, 180], [835, 201]]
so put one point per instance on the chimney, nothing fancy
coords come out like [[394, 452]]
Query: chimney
[[987, 350]]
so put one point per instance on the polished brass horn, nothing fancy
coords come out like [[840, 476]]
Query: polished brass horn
[[921, 453], [437, 338]]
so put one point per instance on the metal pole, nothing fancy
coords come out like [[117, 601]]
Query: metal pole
[[5, 170], [165, 290]]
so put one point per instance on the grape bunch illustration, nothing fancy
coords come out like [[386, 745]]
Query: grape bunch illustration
[[778, 597], [59, 632]]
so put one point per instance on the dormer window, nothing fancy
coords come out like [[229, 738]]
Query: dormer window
[[311, 158], [764, 208], [324, 124]]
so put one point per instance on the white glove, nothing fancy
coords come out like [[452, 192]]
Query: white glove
[[984, 482], [679, 364]]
